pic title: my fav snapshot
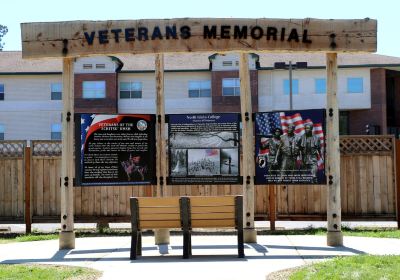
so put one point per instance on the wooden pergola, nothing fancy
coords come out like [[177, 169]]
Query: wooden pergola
[[69, 40]]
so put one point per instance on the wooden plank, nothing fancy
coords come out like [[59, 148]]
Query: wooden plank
[[323, 199], [316, 199], [383, 183], [52, 187], [298, 199], [160, 224], [58, 186], [363, 184], [21, 187], [159, 217], [212, 216], [122, 200], [104, 202], [116, 199], [272, 206], [46, 188], [158, 201], [390, 185], [97, 201], [28, 188], [159, 210], [8, 188], [91, 198], [2, 187], [39, 186], [377, 187], [350, 186], [14, 187], [78, 201], [85, 201], [357, 187], [291, 199], [343, 183], [214, 209], [110, 201], [284, 200], [397, 182], [370, 185], [212, 201], [212, 223], [46, 39]]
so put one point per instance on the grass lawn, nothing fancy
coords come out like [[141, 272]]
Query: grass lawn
[[46, 272], [354, 267]]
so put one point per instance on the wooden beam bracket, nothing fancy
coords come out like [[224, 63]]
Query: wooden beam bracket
[[65, 47]]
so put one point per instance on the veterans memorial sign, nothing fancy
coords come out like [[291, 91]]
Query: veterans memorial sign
[[204, 149], [115, 149], [290, 147], [77, 38]]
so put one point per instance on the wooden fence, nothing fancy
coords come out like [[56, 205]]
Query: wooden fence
[[368, 187]]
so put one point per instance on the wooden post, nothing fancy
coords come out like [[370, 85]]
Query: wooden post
[[397, 178], [28, 214], [250, 234], [334, 215], [67, 234], [272, 206], [161, 236]]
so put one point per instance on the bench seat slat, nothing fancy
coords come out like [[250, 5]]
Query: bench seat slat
[[212, 200], [212, 209], [158, 201], [213, 223], [160, 224], [159, 216], [212, 216], [159, 210]]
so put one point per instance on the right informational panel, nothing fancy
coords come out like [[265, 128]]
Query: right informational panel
[[290, 147], [204, 149]]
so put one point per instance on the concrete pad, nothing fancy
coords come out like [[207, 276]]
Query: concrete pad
[[214, 257]]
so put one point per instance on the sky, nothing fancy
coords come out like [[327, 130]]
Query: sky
[[386, 12]]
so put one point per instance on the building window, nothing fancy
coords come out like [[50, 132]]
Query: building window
[[343, 123], [355, 85], [231, 87], [100, 66], [199, 89], [227, 63], [295, 86], [2, 130], [130, 90], [1, 91], [94, 89], [56, 90], [87, 66], [320, 86], [56, 131]]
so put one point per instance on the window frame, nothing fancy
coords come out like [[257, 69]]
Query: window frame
[[203, 89], [295, 86], [354, 88], [317, 91], [131, 91], [2, 92], [2, 131], [95, 93], [235, 87], [56, 134], [54, 94]]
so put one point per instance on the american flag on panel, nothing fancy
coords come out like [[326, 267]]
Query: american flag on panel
[[211, 152], [267, 122]]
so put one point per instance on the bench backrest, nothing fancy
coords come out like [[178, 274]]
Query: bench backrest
[[156, 212], [215, 211]]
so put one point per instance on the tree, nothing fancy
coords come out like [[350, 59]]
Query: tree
[[3, 32]]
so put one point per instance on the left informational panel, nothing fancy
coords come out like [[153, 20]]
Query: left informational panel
[[115, 149]]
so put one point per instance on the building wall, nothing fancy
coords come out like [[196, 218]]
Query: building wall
[[27, 111], [176, 86], [108, 105], [272, 97]]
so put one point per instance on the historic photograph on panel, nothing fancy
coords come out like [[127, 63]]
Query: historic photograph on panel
[[204, 148], [290, 147], [115, 149]]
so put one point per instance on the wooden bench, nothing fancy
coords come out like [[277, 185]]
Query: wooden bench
[[185, 213]]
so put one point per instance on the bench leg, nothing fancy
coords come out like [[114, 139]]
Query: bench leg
[[134, 244], [240, 244], [139, 244], [187, 244]]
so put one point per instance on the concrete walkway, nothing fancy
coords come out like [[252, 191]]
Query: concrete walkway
[[215, 257]]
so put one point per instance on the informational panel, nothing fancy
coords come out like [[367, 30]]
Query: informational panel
[[290, 147], [77, 38], [114, 149], [204, 149]]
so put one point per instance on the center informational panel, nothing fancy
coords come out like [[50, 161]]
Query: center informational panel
[[115, 149], [290, 147], [204, 149]]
